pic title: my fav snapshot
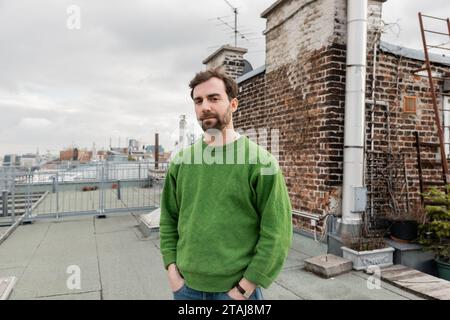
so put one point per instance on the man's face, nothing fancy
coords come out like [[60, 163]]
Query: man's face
[[212, 106]]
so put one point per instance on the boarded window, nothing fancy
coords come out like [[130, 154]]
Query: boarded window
[[410, 104]]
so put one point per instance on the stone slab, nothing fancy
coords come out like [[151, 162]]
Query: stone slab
[[149, 224], [328, 265]]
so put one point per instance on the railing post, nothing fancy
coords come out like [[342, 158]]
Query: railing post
[[5, 202], [29, 200], [13, 193], [118, 189], [139, 175], [101, 205], [55, 186]]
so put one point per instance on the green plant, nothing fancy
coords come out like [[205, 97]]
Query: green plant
[[434, 234]]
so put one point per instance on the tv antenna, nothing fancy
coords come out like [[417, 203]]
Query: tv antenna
[[235, 28]]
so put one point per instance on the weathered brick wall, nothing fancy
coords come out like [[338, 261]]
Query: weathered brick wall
[[303, 98], [297, 27], [302, 94], [234, 65], [307, 109], [374, 13], [394, 81]]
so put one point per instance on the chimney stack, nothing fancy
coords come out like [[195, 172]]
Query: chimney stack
[[156, 150], [231, 59], [181, 140]]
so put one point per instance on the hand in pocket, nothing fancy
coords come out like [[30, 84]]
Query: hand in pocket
[[176, 281]]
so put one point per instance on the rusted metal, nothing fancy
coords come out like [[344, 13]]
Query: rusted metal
[[439, 47], [408, 206], [448, 25], [432, 17], [435, 32]]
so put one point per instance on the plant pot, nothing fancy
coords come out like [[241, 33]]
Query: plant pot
[[404, 231], [443, 269], [364, 259]]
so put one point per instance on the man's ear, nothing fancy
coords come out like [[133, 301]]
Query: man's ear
[[234, 104]]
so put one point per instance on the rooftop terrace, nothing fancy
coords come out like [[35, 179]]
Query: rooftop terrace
[[117, 262]]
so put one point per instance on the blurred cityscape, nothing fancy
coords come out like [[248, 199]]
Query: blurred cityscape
[[70, 157]]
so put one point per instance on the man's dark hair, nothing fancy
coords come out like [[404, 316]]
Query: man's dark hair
[[230, 85]]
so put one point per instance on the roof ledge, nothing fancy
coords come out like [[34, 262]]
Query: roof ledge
[[278, 2], [271, 8]]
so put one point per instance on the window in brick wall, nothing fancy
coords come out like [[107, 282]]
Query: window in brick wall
[[410, 104]]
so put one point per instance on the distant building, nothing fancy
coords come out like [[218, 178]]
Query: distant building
[[67, 155], [116, 156], [75, 155], [164, 157], [101, 155], [11, 160], [84, 156], [133, 146], [151, 149], [119, 150], [138, 156], [29, 160]]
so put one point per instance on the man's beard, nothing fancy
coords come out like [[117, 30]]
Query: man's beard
[[213, 121]]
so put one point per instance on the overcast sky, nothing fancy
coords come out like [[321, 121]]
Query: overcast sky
[[125, 72]]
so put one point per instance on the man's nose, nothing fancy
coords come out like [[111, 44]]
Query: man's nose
[[206, 105]]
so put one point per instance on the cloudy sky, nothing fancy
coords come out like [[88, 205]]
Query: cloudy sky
[[124, 72]]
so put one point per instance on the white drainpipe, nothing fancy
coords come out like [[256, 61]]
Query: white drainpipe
[[354, 125]]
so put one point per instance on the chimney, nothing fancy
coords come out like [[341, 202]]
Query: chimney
[[231, 59], [156, 150], [181, 140]]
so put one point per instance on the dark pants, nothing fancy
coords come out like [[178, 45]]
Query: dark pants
[[186, 293]]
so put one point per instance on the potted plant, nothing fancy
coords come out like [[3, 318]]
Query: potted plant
[[403, 225], [435, 232]]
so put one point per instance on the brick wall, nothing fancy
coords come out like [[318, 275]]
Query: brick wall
[[302, 94], [297, 27], [307, 109], [394, 81]]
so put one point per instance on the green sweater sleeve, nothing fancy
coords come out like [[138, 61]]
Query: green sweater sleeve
[[275, 236], [169, 219]]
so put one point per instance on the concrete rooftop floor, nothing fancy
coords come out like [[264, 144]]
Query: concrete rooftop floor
[[117, 262]]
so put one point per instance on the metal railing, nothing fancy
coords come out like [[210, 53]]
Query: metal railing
[[97, 189]]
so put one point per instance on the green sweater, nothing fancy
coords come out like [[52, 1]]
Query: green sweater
[[220, 221]]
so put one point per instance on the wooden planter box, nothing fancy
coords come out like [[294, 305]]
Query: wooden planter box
[[363, 259]]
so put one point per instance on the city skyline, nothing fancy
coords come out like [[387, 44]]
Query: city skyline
[[125, 71]]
